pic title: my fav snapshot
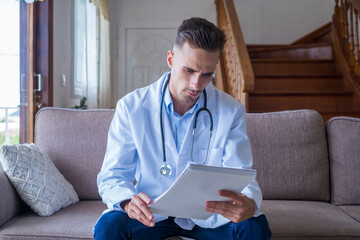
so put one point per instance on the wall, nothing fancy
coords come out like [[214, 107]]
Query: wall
[[281, 21], [142, 33], [262, 22]]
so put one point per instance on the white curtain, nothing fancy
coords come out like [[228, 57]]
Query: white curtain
[[105, 95], [80, 50], [92, 35], [92, 55]]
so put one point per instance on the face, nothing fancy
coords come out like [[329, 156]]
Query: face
[[191, 71]]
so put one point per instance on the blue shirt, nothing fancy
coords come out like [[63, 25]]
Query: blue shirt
[[179, 124]]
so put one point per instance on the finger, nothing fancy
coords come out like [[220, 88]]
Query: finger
[[225, 211], [234, 214], [231, 215], [138, 215], [230, 194], [135, 212], [138, 209], [145, 198], [222, 207], [220, 204], [146, 221], [238, 198], [143, 206]]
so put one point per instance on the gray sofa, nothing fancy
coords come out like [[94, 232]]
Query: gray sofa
[[309, 173]]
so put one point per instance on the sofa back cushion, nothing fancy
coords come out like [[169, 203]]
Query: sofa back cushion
[[344, 152], [290, 154], [75, 140]]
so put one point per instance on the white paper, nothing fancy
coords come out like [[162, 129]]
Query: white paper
[[197, 184]]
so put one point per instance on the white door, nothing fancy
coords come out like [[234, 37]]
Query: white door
[[146, 55], [142, 50]]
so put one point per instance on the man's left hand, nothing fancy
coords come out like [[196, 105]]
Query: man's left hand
[[238, 209]]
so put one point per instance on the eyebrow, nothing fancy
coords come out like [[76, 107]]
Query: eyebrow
[[208, 73]]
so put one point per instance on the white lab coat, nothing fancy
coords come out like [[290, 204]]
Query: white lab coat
[[134, 147]]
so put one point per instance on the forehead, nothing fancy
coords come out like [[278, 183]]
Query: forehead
[[197, 58]]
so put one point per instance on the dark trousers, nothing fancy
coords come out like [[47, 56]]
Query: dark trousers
[[117, 225]]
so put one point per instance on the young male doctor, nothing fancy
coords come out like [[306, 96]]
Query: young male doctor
[[137, 142]]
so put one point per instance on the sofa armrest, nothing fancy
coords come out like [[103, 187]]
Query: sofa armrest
[[10, 202]]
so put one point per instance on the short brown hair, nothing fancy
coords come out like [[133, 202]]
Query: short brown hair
[[200, 33]]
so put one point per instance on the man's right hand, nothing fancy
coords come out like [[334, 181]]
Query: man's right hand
[[137, 208]]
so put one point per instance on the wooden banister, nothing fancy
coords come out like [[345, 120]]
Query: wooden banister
[[234, 72], [355, 4], [345, 40]]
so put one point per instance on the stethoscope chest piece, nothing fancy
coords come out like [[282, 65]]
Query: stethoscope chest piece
[[165, 170]]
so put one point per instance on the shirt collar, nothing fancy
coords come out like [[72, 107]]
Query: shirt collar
[[170, 106]]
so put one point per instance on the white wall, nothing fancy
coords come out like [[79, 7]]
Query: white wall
[[262, 22], [135, 21], [281, 21]]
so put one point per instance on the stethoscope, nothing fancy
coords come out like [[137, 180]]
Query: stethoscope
[[165, 169]]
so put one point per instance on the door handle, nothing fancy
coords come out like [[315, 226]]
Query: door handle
[[39, 82]]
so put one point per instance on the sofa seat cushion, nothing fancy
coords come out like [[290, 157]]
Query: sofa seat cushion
[[74, 222], [309, 220], [353, 211]]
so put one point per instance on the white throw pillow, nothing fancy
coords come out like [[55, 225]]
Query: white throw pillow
[[36, 179]]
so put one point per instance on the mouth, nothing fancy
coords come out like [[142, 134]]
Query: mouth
[[193, 93]]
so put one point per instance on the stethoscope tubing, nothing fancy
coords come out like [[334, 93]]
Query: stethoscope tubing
[[165, 165]]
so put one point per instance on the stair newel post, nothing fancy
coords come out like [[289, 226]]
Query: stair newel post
[[238, 69], [336, 17], [346, 29], [357, 53], [351, 37], [341, 20]]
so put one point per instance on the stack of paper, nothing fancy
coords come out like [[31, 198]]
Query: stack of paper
[[197, 184]]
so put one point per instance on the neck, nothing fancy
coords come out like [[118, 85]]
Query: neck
[[180, 107]]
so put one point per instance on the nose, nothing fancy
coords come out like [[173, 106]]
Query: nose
[[195, 83]]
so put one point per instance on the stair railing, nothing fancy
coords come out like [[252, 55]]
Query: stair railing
[[345, 39], [234, 72]]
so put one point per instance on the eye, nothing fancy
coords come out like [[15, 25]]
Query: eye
[[207, 75], [189, 70]]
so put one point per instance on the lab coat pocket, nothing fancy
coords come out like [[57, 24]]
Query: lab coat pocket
[[214, 158]]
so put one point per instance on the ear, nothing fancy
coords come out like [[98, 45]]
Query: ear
[[170, 58]]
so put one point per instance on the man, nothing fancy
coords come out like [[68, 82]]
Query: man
[[137, 142]]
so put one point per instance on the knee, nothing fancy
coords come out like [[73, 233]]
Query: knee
[[256, 228], [110, 226]]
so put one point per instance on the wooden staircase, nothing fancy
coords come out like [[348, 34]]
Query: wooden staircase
[[303, 75], [320, 71]]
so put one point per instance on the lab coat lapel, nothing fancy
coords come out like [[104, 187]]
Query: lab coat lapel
[[203, 121], [152, 102], [168, 134], [202, 124]]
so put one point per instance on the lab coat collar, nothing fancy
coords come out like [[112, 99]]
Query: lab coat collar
[[153, 98]]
